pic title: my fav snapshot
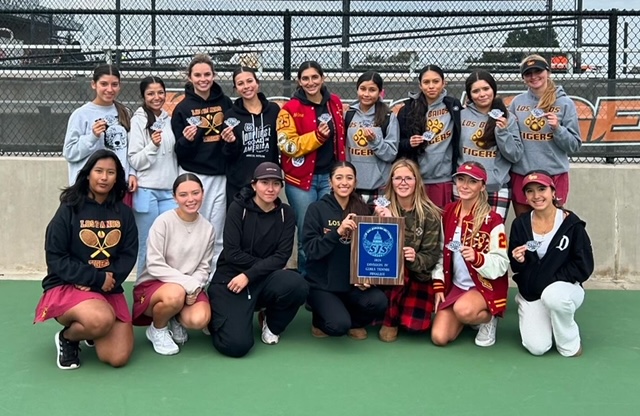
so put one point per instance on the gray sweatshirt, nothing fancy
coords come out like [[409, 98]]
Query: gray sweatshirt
[[496, 160], [372, 159], [544, 148], [436, 161], [157, 166], [80, 143], [179, 252]]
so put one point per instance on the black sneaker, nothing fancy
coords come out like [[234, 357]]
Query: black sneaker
[[67, 358]]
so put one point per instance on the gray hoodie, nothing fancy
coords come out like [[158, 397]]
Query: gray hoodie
[[436, 161], [544, 148], [496, 160], [372, 159]]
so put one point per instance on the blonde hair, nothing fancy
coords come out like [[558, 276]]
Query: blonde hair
[[481, 208], [548, 97], [421, 203]]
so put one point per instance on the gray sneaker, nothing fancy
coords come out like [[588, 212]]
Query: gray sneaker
[[161, 340], [178, 332], [487, 333]]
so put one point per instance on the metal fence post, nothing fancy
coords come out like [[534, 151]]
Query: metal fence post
[[346, 10], [612, 64], [286, 64], [118, 30]]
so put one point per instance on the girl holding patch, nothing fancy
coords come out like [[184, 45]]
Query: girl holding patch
[[311, 138], [100, 124], [250, 133], [430, 133], [197, 122], [372, 136], [549, 129], [151, 154], [470, 281], [91, 245], [489, 136]]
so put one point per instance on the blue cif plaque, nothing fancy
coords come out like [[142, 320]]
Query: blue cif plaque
[[377, 251]]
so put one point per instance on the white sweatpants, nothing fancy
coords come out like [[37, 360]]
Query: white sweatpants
[[551, 317], [214, 208]]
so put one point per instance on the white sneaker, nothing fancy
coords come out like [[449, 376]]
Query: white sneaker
[[161, 340], [268, 337], [178, 332], [487, 333]]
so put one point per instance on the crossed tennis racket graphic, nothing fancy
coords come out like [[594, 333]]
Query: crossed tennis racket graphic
[[91, 239]]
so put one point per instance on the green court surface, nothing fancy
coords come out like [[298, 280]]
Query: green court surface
[[307, 376]]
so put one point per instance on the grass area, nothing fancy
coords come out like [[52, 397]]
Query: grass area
[[307, 376]]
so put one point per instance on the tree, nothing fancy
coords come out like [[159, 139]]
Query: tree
[[520, 38]]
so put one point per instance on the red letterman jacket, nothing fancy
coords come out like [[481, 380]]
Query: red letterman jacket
[[489, 271], [298, 139]]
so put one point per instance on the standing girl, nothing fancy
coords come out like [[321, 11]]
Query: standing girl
[[253, 140], [169, 292], [91, 245], [337, 307], [372, 136], [489, 136], [151, 154], [411, 305], [471, 286], [430, 133], [311, 139], [197, 122], [100, 124], [549, 129], [551, 256]]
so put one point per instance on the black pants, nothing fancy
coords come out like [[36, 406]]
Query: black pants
[[281, 294], [336, 312]]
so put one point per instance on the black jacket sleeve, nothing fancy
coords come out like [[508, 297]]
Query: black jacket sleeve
[[316, 244], [580, 265], [122, 264], [517, 237], [232, 239], [404, 145], [183, 147], [59, 257]]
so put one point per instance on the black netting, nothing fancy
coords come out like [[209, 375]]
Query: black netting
[[48, 48]]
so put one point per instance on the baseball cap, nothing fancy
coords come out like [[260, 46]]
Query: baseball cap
[[533, 64], [473, 171], [267, 170], [538, 177]]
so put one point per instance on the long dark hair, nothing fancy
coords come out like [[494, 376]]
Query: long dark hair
[[382, 109], [417, 112], [76, 194], [186, 177], [144, 84], [488, 139], [355, 204], [124, 115]]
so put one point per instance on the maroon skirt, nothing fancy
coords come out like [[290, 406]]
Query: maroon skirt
[[452, 297], [57, 301], [142, 299]]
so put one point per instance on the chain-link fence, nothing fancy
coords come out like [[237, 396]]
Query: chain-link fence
[[48, 48]]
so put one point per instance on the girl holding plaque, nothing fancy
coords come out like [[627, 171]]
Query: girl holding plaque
[[91, 245], [551, 256], [197, 123], [430, 133], [337, 307], [549, 129], [489, 136], [169, 292], [311, 138], [470, 281], [249, 133], [411, 305], [151, 154], [372, 136]]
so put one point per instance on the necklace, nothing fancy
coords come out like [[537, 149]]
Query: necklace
[[188, 225], [543, 225]]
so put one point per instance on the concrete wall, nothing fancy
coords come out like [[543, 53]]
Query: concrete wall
[[604, 196]]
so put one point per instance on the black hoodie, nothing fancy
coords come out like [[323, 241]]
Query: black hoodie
[[328, 255], [325, 156], [569, 257], [82, 245], [255, 242], [256, 140], [203, 154]]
